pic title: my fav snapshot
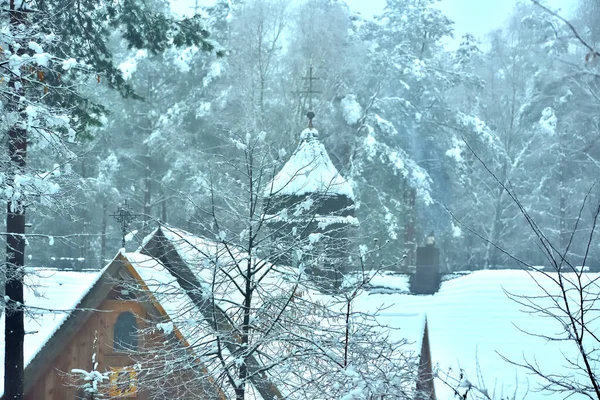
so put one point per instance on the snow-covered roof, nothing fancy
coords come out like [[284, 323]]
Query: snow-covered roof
[[309, 170], [408, 326], [50, 296], [165, 289], [472, 323], [199, 254], [404, 325]]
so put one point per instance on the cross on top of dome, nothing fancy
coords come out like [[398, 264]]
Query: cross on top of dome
[[309, 170]]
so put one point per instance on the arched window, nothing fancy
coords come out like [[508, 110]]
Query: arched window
[[125, 333]]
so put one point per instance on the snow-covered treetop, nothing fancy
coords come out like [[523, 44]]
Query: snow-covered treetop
[[309, 170]]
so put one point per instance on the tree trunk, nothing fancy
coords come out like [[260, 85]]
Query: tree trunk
[[410, 244], [14, 330], [564, 234], [103, 233], [163, 203], [147, 127], [491, 258], [491, 254], [240, 391], [84, 249], [147, 186]]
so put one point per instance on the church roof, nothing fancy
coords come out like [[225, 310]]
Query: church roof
[[309, 170], [474, 326]]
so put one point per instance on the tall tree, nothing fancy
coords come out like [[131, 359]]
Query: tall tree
[[530, 125], [399, 118]]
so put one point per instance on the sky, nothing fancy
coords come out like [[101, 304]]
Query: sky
[[474, 16]]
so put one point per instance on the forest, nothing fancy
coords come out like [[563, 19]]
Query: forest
[[423, 133]]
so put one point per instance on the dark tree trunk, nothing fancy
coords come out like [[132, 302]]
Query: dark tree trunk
[[562, 212], [164, 211], [147, 186], [84, 250], [15, 260], [564, 234], [492, 254], [14, 330], [147, 159], [103, 233], [410, 244]]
